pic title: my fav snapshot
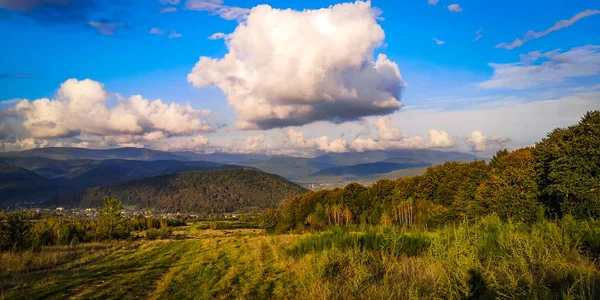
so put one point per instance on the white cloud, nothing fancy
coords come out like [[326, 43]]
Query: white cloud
[[478, 35], [433, 2], [287, 67], [385, 131], [335, 146], [388, 138], [433, 139], [106, 27], [175, 35], [297, 141], [438, 41], [194, 143], [171, 2], [165, 10], [216, 7], [156, 31], [218, 35], [577, 62], [523, 122], [172, 34], [531, 35], [81, 107], [251, 144], [455, 8], [479, 142]]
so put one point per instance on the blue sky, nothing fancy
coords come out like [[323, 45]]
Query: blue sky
[[444, 77]]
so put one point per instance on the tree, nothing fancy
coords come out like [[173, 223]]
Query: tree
[[269, 219], [511, 190], [110, 223], [15, 232], [568, 168]]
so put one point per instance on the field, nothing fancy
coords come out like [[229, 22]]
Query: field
[[485, 259]]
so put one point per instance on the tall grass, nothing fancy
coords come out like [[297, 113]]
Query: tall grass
[[486, 259]]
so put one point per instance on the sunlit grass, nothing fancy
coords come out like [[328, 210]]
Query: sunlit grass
[[486, 259]]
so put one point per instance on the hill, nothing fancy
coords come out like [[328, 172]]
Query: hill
[[204, 192], [83, 153], [394, 156], [368, 169], [19, 186], [38, 180]]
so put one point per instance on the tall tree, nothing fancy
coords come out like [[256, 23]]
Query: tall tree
[[568, 168], [110, 223]]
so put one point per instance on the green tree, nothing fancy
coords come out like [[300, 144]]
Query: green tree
[[511, 190], [269, 219], [15, 232], [568, 168], [110, 223]]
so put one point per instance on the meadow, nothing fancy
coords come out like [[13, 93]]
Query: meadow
[[485, 259]]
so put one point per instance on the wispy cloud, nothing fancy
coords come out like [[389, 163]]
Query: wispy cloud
[[438, 41], [433, 2], [478, 35], [156, 31], [165, 10], [532, 35], [216, 7], [455, 8], [172, 34], [107, 27], [217, 35], [556, 67], [171, 2]]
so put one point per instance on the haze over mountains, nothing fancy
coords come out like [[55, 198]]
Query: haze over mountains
[[60, 176]]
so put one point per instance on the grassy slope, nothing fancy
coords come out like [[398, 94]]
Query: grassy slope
[[488, 258]]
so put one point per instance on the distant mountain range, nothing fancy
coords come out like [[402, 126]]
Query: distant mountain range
[[62, 175]]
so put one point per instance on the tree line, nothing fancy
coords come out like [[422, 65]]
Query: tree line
[[30, 231], [558, 176]]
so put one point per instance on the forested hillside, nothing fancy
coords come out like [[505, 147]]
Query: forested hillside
[[559, 176], [203, 192], [39, 180]]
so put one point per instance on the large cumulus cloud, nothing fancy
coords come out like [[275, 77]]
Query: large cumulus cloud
[[287, 67], [79, 115], [81, 107]]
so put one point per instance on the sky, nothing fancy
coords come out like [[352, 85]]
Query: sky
[[295, 77]]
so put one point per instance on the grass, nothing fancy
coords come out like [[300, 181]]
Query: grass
[[487, 259]]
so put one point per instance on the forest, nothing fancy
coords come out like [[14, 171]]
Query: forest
[[203, 192], [559, 176]]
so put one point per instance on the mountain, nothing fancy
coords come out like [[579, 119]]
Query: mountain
[[288, 166], [19, 186], [368, 169], [203, 192], [219, 157], [46, 181], [96, 154], [111, 171], [395, 156]]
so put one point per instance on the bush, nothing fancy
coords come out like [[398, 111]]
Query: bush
[[152, 234]]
